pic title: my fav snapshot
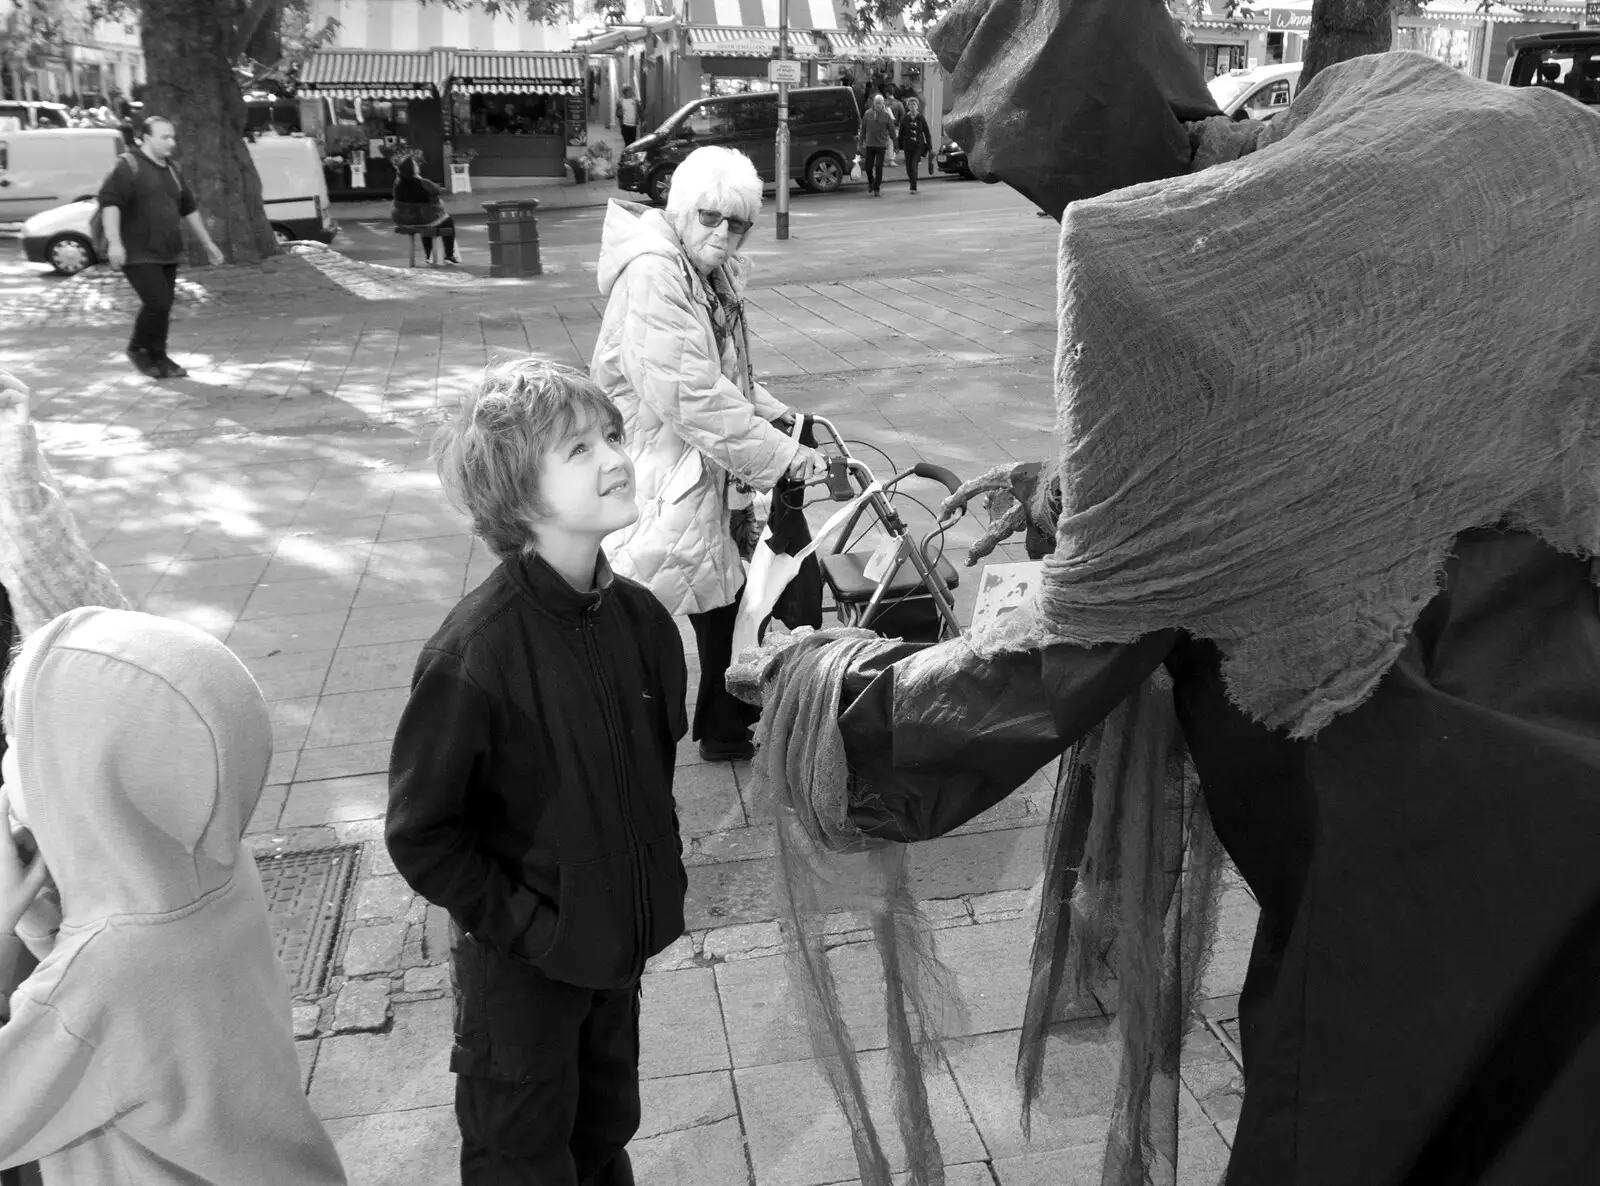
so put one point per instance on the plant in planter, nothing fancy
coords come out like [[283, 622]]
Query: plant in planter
[[598, 162]]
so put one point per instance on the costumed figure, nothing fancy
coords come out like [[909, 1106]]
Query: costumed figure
[[1320, 596]]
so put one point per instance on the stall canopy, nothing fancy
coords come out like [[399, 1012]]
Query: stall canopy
[[721, 41], [517, 74], [900, 47], [373, 74]]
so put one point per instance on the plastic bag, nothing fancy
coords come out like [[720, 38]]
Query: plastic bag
[[857, 173]]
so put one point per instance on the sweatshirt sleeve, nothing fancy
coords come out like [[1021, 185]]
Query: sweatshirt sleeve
[[117, 188], [937, 735], [440, 745], [45, 565], [665, 359], [57, 1087]]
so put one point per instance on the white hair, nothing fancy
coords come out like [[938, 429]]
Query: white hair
[[714, 178]]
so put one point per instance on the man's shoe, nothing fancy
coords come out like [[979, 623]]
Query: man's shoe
[[144, 363], [726, 751], [171, 370]]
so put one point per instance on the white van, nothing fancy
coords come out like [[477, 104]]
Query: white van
[[1256, 94], [293, 189], [42, 169]]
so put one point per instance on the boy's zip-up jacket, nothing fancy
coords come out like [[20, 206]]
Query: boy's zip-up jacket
[[530, 784]]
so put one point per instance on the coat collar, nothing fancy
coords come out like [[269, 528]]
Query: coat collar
[[550, 591]]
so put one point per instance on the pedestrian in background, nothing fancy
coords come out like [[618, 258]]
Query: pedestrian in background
[[153, 1043], [628, 116], [916, 139], [876, 136], [897, 109], [530, 785], [144, 204], [419, 202]]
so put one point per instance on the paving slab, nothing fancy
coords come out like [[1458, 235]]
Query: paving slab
[[409, 1147], [680, 1025], [367, 1074], [332, 800]]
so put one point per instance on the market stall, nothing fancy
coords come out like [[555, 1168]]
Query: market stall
[[369, 108], [516, 114]]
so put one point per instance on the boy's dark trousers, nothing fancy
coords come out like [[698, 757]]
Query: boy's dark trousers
[[155, 284], [547, 1074]]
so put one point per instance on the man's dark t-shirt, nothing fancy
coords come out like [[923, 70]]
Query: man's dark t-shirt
[[154, 201]]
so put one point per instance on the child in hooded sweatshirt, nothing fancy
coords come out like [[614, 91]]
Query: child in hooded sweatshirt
[[530, 787], [152, 1044]]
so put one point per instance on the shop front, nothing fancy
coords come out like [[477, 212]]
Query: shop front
[[902, 62], [732, 60], [370, 109], [517, 114], [1460, 33]]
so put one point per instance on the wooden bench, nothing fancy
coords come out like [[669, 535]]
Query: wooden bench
[[430, 229]]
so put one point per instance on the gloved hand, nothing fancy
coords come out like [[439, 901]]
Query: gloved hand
[[1022, 495]]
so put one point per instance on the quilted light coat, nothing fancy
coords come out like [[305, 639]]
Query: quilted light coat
[[689, 421]]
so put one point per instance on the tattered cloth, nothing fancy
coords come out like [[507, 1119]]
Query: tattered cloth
[[1285, 384]]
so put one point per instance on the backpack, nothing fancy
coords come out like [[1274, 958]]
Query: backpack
[[97, 229]]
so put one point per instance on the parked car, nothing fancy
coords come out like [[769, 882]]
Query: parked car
[[952, 158], [823, 124], [21, 115], [294, 191], [41, 169], [1256, 94], [1568, 62]]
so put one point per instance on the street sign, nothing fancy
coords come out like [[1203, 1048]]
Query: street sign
[[1591, 14], [779, 70], [1288, 20]]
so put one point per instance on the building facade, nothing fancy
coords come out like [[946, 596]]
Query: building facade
[[92, 63]]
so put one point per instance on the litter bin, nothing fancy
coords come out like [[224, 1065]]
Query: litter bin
[[513, 238]]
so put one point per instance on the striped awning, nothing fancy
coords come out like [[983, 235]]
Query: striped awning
[[371, 74], [516, 74], [897, 47], [746, 41]]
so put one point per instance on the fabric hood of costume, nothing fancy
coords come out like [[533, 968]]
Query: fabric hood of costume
[[1289, 485], [690, 422], [142, 747], [1066, 99]]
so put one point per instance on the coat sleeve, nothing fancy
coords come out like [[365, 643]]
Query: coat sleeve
[[665, 358], [937, 735], [57, 1085], [442, 741]]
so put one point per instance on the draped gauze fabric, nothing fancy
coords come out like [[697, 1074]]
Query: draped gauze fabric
[[1285, 384]]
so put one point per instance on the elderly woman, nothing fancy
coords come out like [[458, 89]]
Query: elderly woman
[[673, 353]]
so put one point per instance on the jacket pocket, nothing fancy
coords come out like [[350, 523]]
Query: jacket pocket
[[598, 924], [666, 882]]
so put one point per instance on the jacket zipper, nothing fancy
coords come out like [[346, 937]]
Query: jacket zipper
[[641, 899]]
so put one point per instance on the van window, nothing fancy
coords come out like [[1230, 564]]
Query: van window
[[752, 115], [824, 107], [1274, 94], [705, 120]]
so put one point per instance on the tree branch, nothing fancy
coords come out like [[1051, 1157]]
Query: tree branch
[[249, 21]]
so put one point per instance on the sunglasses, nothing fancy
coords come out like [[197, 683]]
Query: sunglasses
[[736, 226]]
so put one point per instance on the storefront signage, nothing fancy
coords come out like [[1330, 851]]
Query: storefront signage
[[577, 120], [1288, 20], [1591, 14], [779, 70]]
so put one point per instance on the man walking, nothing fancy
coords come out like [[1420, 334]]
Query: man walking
[[915, 138], [877, 134], [143, 206], [628, 116]]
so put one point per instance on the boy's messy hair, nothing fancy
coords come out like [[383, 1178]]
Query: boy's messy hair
[[490, 451]]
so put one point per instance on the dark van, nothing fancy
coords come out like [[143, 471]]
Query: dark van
[[823, 124]]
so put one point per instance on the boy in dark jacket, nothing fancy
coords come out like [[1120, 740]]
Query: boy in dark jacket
[[530, 786]]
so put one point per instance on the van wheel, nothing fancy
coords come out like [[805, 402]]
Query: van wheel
[[69, 254], [824, 173], [659, 185]]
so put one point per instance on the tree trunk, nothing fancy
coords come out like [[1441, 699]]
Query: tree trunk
[[1342, 29], [188, 57]]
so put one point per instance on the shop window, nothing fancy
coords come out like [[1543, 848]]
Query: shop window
[[512, 115], [1219, 59], [1274, 47]]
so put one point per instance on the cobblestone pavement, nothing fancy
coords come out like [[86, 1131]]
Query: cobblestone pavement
[[282, 499]]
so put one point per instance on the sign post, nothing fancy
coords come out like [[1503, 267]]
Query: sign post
[[783, 72]]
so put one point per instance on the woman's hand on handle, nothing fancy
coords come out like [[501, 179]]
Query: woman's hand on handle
[[808, 465]]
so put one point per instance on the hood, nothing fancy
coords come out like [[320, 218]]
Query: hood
[[142, 747], [632, 230], [1107, 85]]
